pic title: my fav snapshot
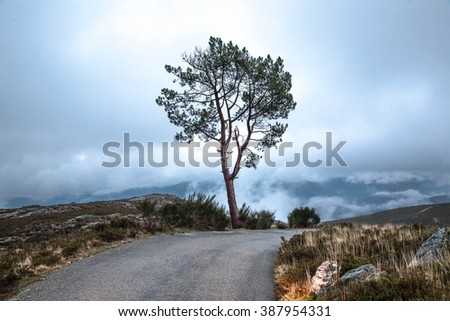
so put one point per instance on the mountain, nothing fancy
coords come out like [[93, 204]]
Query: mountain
[[179, 190], [431, 214]]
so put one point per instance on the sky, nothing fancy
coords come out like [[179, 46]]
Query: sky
[[75, 75]]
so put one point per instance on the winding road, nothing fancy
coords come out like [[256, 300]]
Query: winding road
[[231, 266]]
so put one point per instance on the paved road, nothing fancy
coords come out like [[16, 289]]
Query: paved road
[[235, 265]]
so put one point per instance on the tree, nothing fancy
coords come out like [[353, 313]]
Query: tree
[[233, 99], [303, 217]]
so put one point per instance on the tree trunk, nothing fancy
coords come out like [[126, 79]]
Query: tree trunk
[[232, 205]]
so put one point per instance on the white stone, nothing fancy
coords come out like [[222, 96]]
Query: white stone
[[324, 276]]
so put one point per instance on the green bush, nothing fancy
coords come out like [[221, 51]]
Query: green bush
[[256, 220], [198, 211], [175, 215], [204, 212], [106, 233], [265, 219], [302, 217], [248, 217], [152, 217], [148, 208]]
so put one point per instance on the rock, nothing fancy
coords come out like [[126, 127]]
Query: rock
[[359, 274], [431, 249], [280, 225], [113, 216], [324, 276], [160, 199]]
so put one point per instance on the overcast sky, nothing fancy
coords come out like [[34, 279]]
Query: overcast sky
[[376, 74]]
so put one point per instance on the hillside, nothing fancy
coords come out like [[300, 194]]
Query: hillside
[[37, 223], [431, 214]]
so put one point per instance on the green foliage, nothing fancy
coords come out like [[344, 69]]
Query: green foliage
[[116, 230], [198, 212], [225, 84], [265, 219], [106, 233], [248, 217], [148, 208], [302, 217], [153, 221], [256, 220]]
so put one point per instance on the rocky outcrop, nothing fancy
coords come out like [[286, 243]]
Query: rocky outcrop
[[324, 277], [359, 274], [39, 223], [280, 225], [432, 249]]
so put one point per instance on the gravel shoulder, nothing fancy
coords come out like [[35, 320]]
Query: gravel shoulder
[[229, 266]]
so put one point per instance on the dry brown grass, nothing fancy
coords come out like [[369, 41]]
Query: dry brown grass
[[389, 247], [21, 262]]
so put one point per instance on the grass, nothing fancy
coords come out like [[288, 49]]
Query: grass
[[388, 247], [23, 261]]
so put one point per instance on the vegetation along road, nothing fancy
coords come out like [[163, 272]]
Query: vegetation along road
[[232, 265]]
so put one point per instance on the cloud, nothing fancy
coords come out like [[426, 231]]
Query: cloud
[[384, 178], [133, 26], [333, 207], [402, 198], [77, 75]]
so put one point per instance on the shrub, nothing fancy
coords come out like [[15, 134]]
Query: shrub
[[70, 248], [175, 215], [123, 222], [198, 211], [45, 256], [248, 217], [147, 207], [204, 212], [302, 217], [106, 233], [265, 219], [11, 268], [256, 220], [152, 217]]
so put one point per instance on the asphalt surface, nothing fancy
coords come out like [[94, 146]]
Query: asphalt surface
[[231, 266]]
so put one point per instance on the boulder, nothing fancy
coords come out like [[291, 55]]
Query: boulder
[[359, 274], [280, 225], [432, 249], [324, 276]]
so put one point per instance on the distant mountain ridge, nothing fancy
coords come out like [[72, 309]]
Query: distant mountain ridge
[[429, 214]]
